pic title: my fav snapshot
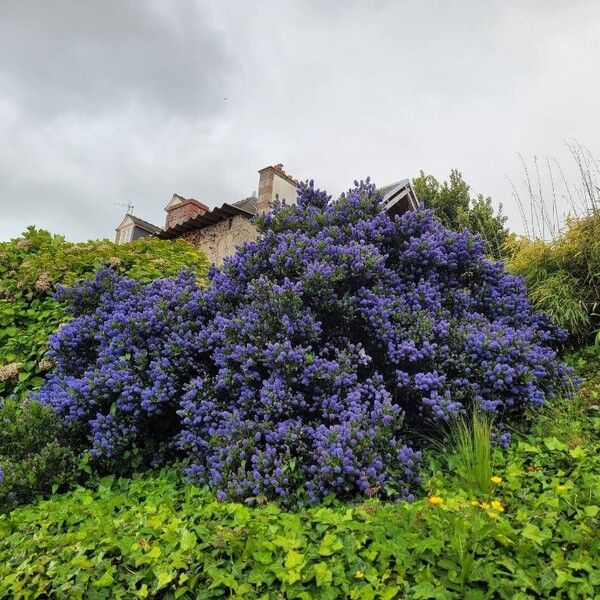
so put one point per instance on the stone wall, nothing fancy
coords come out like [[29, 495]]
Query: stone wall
[[222, 239]]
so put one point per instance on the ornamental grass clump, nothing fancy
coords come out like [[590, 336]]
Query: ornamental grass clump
[[472, 446], [317, 358]]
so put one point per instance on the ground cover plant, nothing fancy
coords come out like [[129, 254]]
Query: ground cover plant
[[534, 535], [315, 360]]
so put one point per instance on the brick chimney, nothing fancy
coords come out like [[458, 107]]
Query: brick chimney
[[274, 183], [182, 209]]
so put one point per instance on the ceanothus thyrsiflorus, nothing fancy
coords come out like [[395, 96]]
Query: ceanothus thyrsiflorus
[[314, 359]]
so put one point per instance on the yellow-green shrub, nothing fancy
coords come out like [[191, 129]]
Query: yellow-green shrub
[[563, 275]]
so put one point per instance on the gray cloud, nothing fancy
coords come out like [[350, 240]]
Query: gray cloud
[[109, 102], [90, 57]]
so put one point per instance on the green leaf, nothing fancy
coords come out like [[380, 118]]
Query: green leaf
[[532, 532], [323, 574], [163, 577], [106, 482], [188, 540], [553, 444], [293, 559], [578, 452], [264, 557], [330, 544], [105, 581]]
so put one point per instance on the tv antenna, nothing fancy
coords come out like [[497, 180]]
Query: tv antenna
[[128, 206]]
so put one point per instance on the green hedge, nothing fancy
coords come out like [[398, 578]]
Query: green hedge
[[30, 268]]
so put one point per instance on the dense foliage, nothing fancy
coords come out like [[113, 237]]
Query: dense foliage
[[30, 268], [563, 275], [455, 207], [533, 536], [314, 361], [35, 457], [37, 453]]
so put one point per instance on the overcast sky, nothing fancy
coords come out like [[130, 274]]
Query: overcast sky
[[114, 101]]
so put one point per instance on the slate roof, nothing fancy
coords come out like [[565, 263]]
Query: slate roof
[[249, 204], [208, 218], [144, 224]]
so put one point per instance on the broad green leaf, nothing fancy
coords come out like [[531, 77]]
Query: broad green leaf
[[322, 573], [330, 544], [293, 559]]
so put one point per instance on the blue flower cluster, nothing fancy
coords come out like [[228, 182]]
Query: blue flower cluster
[[314, 360], [122, 363]]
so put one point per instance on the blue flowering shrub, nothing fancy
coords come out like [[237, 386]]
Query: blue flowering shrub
[[122, 362], [315, 360]]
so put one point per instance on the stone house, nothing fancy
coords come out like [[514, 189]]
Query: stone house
[[219, 231]]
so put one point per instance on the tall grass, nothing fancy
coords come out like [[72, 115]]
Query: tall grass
[[545, 189], [472, 450], [559, 257]]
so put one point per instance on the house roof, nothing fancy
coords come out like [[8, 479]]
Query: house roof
[[177, 201], [140, 223], [399, 197], [208, 218], [249, 204]]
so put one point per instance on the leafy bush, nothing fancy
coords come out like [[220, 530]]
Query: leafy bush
[[30, 269], [36, 454], [455, 207], [563, 275], [35, 458], [314, 360]]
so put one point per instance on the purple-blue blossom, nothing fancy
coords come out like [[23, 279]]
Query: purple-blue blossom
[[315, 359]]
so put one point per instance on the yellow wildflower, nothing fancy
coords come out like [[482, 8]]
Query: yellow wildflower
[[561, 489], [485, 505], [495, 479], [474, 503], [359, 574], [492, 515], [497, 505], [435, 500]]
